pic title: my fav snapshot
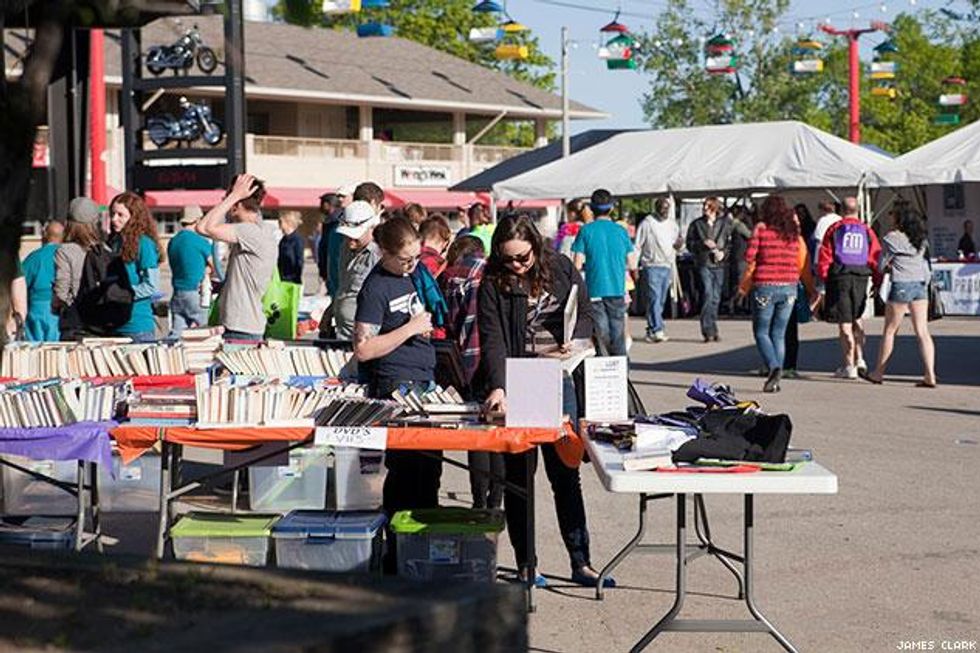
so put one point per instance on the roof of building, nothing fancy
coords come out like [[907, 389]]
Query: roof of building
[[287, 61]]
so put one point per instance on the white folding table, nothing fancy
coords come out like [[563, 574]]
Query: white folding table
[[811, 478]]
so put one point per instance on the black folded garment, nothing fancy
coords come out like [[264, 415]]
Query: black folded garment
[[738, 434]]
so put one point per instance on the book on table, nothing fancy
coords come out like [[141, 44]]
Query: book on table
[[647, 459]]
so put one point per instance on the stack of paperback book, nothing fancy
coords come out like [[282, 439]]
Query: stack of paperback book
[[277, 359], [102, 357], [163, 407], [54, 402]]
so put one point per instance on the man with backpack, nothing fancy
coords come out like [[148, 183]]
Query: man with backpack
[[847, 258]]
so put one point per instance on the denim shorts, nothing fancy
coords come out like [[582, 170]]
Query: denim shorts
[[903, 292]]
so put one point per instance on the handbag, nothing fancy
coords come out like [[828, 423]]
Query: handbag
[[936, 309], [280, 303], [885, 287]]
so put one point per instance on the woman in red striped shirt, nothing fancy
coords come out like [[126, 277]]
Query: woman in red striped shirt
[[776, 259]]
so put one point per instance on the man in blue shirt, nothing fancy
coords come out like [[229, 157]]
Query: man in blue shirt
[[189, 254], [42, 322], [603, 250]]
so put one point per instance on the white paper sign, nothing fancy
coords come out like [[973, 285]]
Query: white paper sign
[[360, 437], [606, 393], [534, 388]]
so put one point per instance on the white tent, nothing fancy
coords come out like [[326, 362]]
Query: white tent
[[701, 160], [954, 158]]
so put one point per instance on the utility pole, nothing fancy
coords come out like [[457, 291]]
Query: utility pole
[[566, 138], [854, 83]]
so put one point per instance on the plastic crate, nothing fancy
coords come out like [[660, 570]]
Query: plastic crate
[[358, 479], [131, 488], [223, 539], [25, 495], [441, 544], [302, 484], [329, 541], [38, 533]]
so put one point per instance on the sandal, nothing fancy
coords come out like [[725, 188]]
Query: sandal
[[580, 577], [923, 384], [864, 374]]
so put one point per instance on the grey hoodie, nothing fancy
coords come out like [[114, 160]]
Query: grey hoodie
[[906, 263]]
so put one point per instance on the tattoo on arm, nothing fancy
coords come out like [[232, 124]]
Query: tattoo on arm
[[364, 332]]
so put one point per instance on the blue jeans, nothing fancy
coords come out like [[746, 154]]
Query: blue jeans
[[772, 308], [609, 316], [712, 283], [658, 281], [186, 311], [231, 334], [144, 337]]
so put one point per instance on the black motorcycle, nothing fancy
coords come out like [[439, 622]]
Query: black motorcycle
[[195, 122], [182, 54]]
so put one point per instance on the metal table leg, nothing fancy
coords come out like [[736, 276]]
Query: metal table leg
[[234, 492], [632, 545], [749, 599], [532, 553], [165, 486], [80, 512], [703, 531], [96, 509]]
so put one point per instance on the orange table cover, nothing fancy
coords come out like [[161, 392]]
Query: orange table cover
[[133, 441]]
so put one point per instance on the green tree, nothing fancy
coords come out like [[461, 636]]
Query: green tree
[[444, 25]]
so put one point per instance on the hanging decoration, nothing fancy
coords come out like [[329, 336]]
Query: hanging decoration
[[618, 52], [511, 47], [807, 59], [374, 28], [952, 98], [720, 57], [883, 70], [484, 35], [337, 7]]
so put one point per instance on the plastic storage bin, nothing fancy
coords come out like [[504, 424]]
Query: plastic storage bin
[[448, 543], [39, 533], [25, 495], [300, 485], [358, 479], [329, 541], [224, 539], [131, 488]]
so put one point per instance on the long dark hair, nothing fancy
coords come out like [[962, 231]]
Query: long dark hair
[[913, 226], [807, 223], [538, 277], [140, 224], [777, 215]]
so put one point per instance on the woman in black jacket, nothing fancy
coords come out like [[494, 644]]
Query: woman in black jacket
[[521, 314]]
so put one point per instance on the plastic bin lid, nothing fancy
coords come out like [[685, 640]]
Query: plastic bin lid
[[36, 529], [319, 523], [197, 524], [448, 521]]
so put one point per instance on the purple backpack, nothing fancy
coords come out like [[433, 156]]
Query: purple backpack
[[851, 245]]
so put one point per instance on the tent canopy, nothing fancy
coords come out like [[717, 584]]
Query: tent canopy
[[954, 158], [484, 181], [701, 160]]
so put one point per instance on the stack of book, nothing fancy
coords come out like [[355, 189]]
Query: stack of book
[[253, 401], [283, 361], [91, 358], [436, 401], [201, 346], [358, 412], [53, 403], [163, 407]]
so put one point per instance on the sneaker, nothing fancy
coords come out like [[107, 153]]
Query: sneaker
[[791, 374], [650, 338], [846, 372], [861, 366], [660, 336]]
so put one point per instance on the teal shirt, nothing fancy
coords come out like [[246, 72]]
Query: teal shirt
[[188, 253], [605, 245], [38, 268], [144, 276]]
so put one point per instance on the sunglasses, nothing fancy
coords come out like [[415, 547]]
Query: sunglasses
[[522, 259], [407, 260]]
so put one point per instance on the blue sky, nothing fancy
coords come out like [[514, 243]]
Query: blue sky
[[619, 93]]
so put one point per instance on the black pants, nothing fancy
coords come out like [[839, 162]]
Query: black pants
[[792, 341], [570, 507], [486, 478]]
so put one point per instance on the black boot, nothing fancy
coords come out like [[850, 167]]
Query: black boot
[[772, 383]]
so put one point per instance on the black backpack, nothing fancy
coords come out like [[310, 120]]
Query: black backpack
[[105, 295]]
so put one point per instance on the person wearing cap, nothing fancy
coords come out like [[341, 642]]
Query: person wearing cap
[[604, 251], [41, 324], [237, 220], [82, 233], [358, 259], [189, 254], [329, 251]]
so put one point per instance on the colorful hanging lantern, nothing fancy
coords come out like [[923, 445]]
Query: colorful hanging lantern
[[720, 57], [618, 52], [807, 60], [952, 98], [488, 7], [336, 7], [511, 47], [375, 4], [367, 30], [884, 69]]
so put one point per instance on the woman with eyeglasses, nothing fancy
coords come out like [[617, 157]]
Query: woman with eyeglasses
[[521, 314], [393, 349]]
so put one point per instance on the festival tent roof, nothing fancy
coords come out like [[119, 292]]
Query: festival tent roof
[[953, 158], [702, 160]]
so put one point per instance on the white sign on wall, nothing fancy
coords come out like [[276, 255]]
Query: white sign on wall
[[423, 175]]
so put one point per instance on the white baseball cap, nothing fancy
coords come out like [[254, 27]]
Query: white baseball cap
[[359, 216], [347, 190]]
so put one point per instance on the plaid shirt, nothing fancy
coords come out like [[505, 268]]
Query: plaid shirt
[[460, 286]]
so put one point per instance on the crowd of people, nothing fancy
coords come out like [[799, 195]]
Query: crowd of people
[[400, 281]]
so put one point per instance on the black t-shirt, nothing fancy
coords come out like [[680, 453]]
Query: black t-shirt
[[389, 301], [966, 245]]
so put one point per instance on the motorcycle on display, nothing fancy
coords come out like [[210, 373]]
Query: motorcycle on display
[[182, 54], [194, 122]]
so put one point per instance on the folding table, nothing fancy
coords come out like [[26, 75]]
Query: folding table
[[810, 478]]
